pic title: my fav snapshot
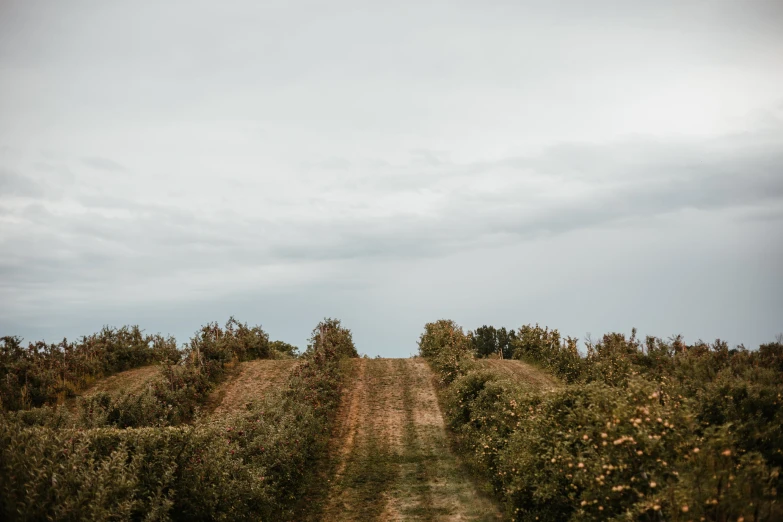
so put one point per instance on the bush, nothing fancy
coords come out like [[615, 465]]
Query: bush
[[236, 341], [448, 349], [547, 349], [653, 432], [44, 374], [489, 341], [330, 335], [175, 397], [282, 349], [250, 466]]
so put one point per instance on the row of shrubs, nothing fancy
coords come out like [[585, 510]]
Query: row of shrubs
[[42, 373], [636, 431], [177, 393], [249, 466]]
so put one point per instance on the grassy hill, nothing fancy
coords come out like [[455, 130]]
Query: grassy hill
[[237, 427]]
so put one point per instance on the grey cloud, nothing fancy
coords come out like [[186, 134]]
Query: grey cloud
[[664, 179], [491, 129], [103, 164], [335, 163], [12, 184], [773, 214], [429, 157], [62, 171]]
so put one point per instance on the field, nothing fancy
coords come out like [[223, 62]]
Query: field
[[235, 427], [520, 371], [392, 454], [247, 383], [130, 380]]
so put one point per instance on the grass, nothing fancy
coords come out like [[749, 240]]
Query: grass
[[398, 463]]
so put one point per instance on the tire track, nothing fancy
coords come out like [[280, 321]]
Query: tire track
[[393, 457]]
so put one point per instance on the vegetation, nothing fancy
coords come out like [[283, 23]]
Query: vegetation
[[488, 340], [652, 430], [42, 374], [247, 466], [391, 457], [632, 429], [330, 335]]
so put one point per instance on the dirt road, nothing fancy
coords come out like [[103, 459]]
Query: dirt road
[[393, 457]]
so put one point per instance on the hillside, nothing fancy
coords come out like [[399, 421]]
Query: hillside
[[392, 453], [128, 381], [247, 382], [240, 429], [520, 371]]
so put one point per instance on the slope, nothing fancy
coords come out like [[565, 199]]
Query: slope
[[128, 381], [247, 382], [519, 370], [392, 455]]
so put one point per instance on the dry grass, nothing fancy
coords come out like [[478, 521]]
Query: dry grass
[[128, 381], [132, 381], [520, 370], [392, 452], [247, 382]]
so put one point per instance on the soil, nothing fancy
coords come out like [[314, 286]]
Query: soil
[[128, 381], [520, 370], [247, 382], [393, 456]]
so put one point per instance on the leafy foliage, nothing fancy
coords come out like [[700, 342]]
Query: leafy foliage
[[545, 348], [282, 349], [645, 431], [175, 397], [448, 349], [43, 373], [487, 341], [249, 466], [331, 335]]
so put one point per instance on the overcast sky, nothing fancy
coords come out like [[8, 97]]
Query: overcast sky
[[591, 166]]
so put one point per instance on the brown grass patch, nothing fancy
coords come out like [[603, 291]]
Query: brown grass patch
[[393, 456], [128, 381], [247, 382], [521, 371]]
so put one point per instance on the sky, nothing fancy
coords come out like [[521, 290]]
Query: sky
[[589, 166]]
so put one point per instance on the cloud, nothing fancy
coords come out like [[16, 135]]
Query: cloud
[[103, 164], [334, 163], [465, 206], [285, 156], [12, 184]]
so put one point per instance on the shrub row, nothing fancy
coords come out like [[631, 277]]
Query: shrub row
[[620, 442], [249, 466], [176, 394], [41, 373]]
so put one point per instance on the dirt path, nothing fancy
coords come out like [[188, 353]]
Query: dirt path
[[393, 458], [132, 381], [520, 370], [247, 382], [128, 381]]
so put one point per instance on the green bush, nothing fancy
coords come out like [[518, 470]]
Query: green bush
[[331, 335], [448, 349], [236, 341], [177, 394], [250, 466], [282, 349], [660, 431], [545, 348], [488, 341], [42, 374]]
